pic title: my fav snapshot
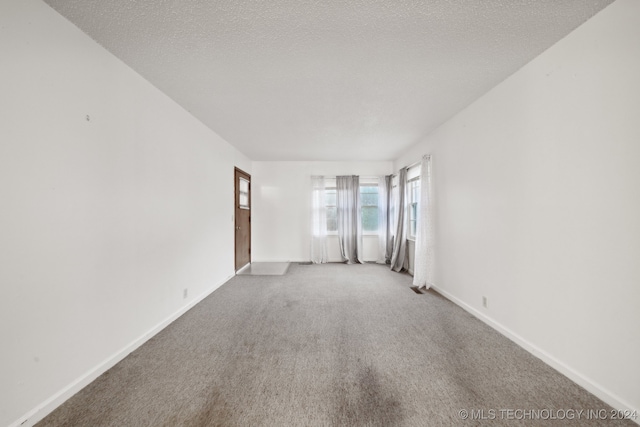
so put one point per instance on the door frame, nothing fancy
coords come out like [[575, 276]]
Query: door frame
[[236, 173]]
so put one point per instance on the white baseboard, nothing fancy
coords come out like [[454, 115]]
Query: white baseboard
[[591, 386], [336, 260], [46, 407]]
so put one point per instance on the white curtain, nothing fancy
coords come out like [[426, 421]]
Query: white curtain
[[424, 262], [385, 234], [399, 259], [318, 221], [349, 214]]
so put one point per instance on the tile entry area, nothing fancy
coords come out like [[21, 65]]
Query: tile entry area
[[264, 269]]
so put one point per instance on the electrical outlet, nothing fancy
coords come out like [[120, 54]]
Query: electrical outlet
[[485, 302], [185, 293]]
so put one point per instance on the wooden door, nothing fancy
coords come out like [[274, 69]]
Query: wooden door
[[242, 218]]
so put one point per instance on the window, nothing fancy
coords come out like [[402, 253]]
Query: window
[[369, 204], [332, 210], [243, 193], [412, 203]]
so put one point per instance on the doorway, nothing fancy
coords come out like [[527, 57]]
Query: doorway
[[242, 217]]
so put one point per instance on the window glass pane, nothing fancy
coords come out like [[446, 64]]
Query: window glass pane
[[369, 198], [369, 204], [330, 197], [332, 219], [243, 193], [370, 218], [244, 185], [369, 189]]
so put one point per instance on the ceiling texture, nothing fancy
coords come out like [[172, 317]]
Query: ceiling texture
[[325, 80]]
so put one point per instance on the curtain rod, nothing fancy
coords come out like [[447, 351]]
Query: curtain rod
[[414, 164], [418, 162]]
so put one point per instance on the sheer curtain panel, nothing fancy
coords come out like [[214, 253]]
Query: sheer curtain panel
[[318, 221], [349, 214], [384, 220], [424, 262], [399, 254]]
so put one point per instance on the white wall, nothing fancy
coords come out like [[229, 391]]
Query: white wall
[[281, 198], [104, 221], [538, 205]]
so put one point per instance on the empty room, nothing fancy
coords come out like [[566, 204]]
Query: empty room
[[302, 213]]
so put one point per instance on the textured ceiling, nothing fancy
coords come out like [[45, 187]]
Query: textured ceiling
[[326, 80]]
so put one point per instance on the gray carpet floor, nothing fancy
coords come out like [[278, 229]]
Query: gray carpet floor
[[326, 345]]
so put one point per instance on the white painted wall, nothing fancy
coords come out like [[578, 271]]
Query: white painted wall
[[538, 205], [281, 218], [104, 221]]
